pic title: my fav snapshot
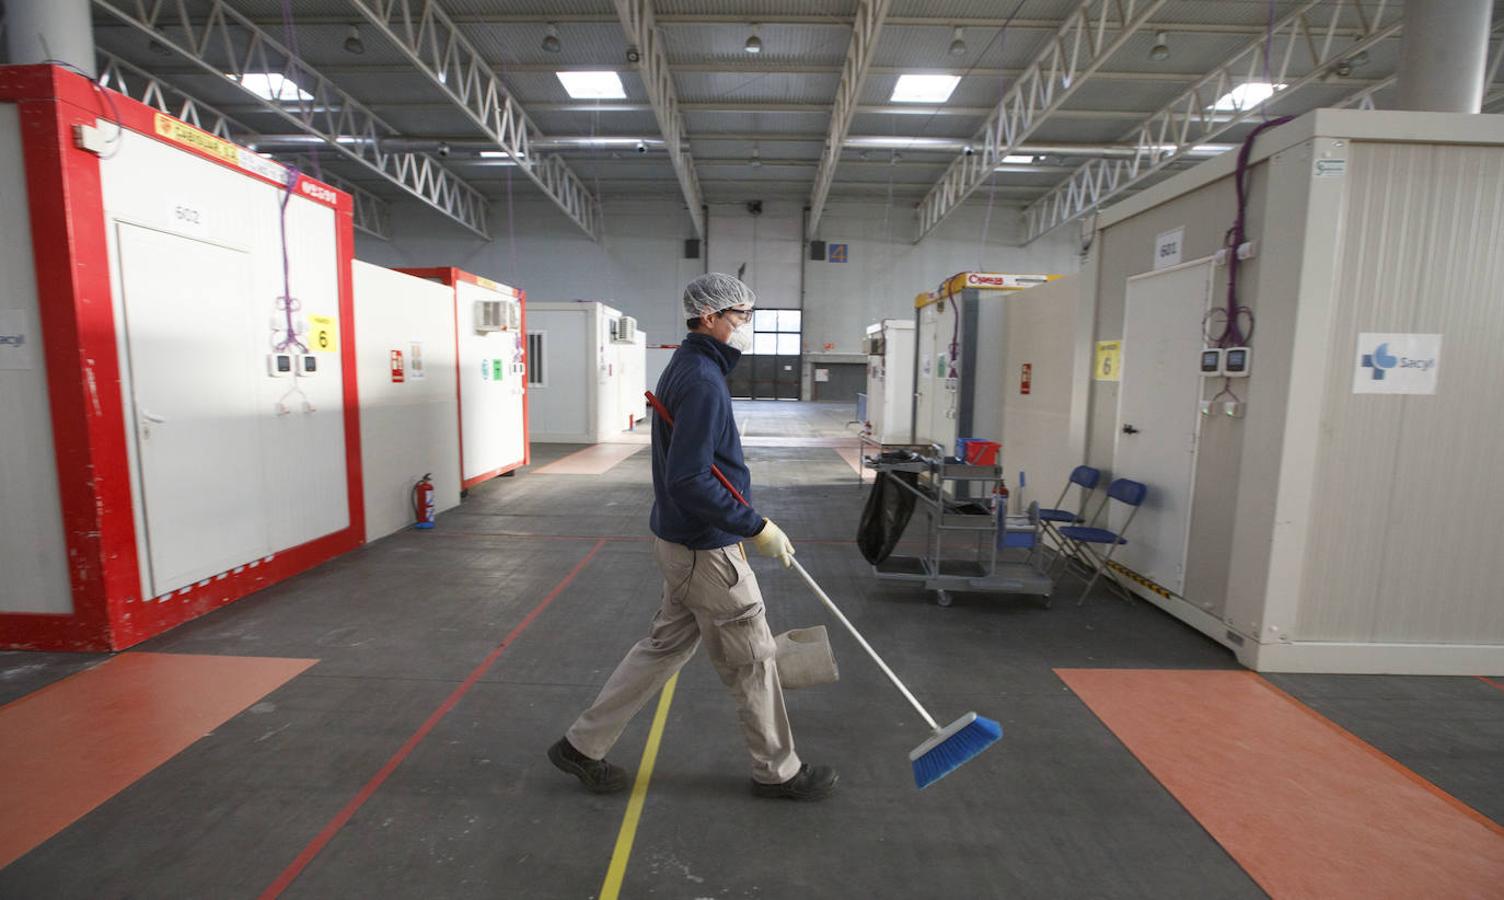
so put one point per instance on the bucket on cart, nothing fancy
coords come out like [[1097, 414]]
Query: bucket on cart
[[977, 452]]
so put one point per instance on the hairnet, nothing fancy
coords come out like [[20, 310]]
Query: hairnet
[[713, 292]]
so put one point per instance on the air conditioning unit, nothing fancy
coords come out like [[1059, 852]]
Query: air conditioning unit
[[624, 330], [489, 316]]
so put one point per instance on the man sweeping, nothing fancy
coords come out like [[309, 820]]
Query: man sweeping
[[709, 592]]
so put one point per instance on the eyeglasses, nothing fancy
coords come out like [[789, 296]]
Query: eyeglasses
[[743, 315]]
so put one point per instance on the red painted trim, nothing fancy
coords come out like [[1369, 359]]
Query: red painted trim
[[322, 839], [471, 482], [527, 393], [344, 233], [83, 370], [1493, 684], [73, 269]]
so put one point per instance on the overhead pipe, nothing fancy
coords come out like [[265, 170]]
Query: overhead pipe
[[1443, 54], [471, 146]]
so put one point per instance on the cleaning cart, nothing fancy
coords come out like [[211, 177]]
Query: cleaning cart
[[968, 544]]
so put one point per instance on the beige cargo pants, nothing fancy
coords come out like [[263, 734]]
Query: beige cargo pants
[[710, 595]]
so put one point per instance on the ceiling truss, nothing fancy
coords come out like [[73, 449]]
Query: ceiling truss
[[432, 42], [371, 213], [226, 43], [642, 33], [1092, 33], [1307, 39], [865, 31]]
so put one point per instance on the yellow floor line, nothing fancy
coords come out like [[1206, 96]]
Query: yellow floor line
[[611, 887]]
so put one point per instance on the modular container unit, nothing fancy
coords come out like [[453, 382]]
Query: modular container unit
[[589, 375], [959, 369], [1046, 351], [409, 394], [1321, 501], [179, 433], [491, 345], [890, 380]]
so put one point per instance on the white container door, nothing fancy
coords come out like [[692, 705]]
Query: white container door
[[194, 372], [1159, 415]]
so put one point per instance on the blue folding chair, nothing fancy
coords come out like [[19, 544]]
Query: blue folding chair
[[1086, 538], [1087, 479]]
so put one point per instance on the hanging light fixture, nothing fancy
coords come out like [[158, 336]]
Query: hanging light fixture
[[958, 42], [551, 39], [1161, 49], [754, 43], [353, 43]]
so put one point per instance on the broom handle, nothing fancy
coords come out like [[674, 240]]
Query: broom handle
[[830, 604]]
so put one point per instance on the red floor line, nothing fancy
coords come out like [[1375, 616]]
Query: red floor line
[[323, 838], [1490, 682]]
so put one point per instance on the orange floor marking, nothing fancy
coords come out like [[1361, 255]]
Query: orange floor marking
[[853, 457], [72, 745], [1305, 807], [594, 460]]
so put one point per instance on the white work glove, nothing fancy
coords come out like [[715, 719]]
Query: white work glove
[[772, 542]]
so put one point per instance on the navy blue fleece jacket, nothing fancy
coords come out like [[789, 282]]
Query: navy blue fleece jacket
[[690, 506]]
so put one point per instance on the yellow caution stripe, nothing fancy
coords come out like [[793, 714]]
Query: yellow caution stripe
[[611, 887]]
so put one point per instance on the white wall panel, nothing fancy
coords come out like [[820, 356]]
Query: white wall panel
[[491, 407], [33, 554], [407, 428]]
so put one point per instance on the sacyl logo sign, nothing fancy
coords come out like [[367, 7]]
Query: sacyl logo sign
[[17, 339], [1397, 363]]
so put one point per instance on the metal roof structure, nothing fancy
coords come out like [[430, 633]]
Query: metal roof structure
[[1060, 105]]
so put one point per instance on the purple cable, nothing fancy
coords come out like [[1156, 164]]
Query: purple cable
[[290, 338], [1233, 336]]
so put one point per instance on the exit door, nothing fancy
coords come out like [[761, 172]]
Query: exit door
[[192, 348], [1159, 415], [771, 369]]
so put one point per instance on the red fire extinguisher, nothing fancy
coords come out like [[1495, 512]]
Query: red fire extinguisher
[[423, 506]]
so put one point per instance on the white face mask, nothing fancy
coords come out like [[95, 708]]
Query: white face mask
[[741, 338]]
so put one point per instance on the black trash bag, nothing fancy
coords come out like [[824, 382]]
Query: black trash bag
[[886, 515]]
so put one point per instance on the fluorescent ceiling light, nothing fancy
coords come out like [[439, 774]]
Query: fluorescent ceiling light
[[271, 86], [1027, 159], [593, 85], [924, 88], [1247, 96]]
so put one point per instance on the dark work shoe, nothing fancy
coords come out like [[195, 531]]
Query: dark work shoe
[[812, 783], [597, 775]]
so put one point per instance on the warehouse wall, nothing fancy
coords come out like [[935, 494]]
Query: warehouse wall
[[639, 267]]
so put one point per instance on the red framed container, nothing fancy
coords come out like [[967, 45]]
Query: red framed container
[[129, 210]]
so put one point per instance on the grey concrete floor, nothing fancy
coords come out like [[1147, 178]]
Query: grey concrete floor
[[1059, 808]]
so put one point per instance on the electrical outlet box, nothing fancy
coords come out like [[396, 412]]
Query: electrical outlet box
[[1207, 407], [279, 365], [1233, 408], [308, 364], [1236, 361], [1211, 361]]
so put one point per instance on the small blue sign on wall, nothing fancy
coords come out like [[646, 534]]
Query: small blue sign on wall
[[837, 253]]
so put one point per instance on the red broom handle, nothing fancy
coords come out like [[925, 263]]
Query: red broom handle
[[662, 412]]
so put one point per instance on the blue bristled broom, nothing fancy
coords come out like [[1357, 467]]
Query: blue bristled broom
[[946, 749]]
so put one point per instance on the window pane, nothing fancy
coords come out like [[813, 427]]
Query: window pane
[[763, 343], [789, 319], [788, 345], [765, 320]]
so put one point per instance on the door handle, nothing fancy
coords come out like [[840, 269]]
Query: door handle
[[155, 420], [1129, 429]]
